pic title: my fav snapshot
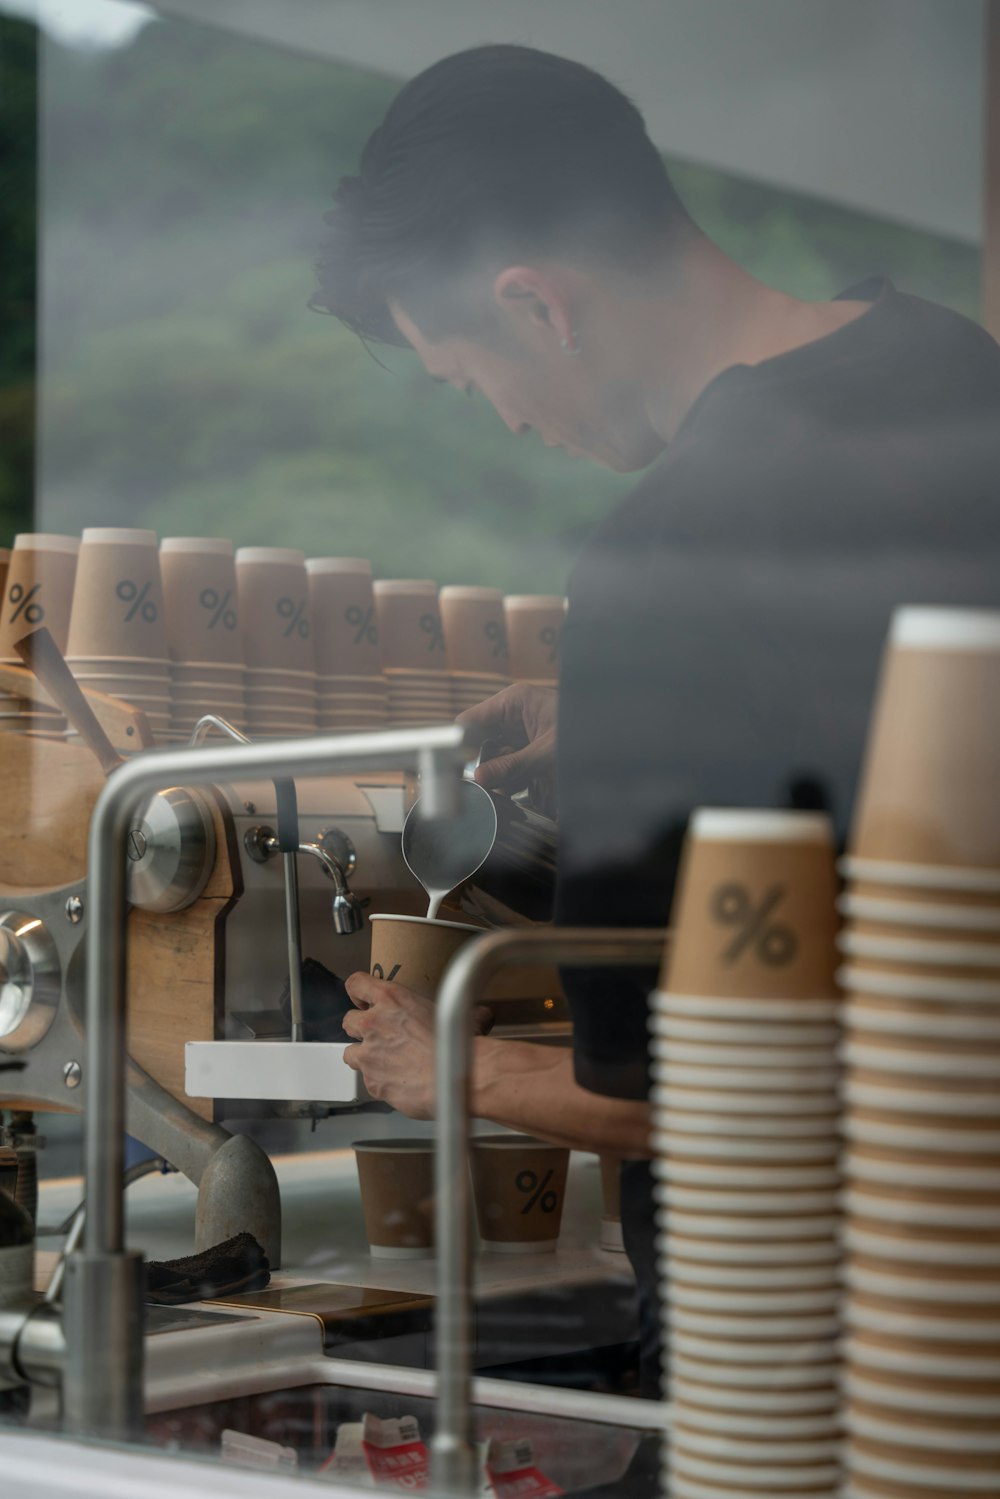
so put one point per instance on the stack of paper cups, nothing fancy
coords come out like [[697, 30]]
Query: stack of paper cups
[[475, 637], [413, 653], [534, 628], [203, 631], [37, 590], [922, 1074], [351, 690], [117, 641], [277, 632], [745, 1138]]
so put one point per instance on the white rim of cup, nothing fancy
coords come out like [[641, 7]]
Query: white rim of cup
[[898, 1359], [721, 1055], [746, 1079], [752, 1278], [913, 1098], [919, 1326], [777, 1254], [692, 1488], [741, 1175], [922, 1433], [764, 1379], [697, 1393], [757, 825], [769, 1476], [208, 546], [117, 536], [922, 876], [916, 1063], [472, 592], [758, 1330], [919, 913], [945, 1253], [530, 601], [733, 1033], [908, 986], [904, 1136], [289, 556], [459, 926], [931, 1024], [716, 1007], [705, 1433], [934, 954], [746, 1127], [875, 1207], [737, 1147], [931, 1402], [927, 627], [922, 1475], [806, 1354], [44, 541], [936, 1178], [409, 587], [814, 1301], [913, 1287], [395, 1146], [791, 1204], [761, 1230], [723, 1101], [358, 566]]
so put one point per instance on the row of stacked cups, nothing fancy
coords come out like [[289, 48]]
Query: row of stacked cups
[[745, 1134], [921, 945], [275, 644]]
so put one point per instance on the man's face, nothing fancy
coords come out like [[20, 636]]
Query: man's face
[[574, 402]]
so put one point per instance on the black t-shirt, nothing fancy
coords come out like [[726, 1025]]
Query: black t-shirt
[[725, 626]]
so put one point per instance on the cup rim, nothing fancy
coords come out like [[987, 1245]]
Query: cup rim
[[290, 556], [434, 921], [396, 1146], [117, 536], [910, 986], [759, 825], [918, 913], [923, 627], [320, 566], [532, 601], [208, 546], [472, 593], [938, 954], [951, 877], [44, 541], [721, 1007], [410, 587], [514, 1142]]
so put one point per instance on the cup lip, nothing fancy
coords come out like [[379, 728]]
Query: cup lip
[[289, 555], [472, 592], [117, 536], [396, 1145], [759, 825], [205, 545], [721, 1007], [514, 1142], [918, 913], [416, 587], [926, 627], [43, 541], [434, 921], [910, 986], [951, 877], [516, 601], [942, 953], [318, 566]]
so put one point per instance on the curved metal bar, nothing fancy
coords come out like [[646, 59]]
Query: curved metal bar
[[466, 977]]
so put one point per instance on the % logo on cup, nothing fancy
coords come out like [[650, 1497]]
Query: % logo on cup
[[497, 635], [218, 607], [295, 614], [431, 626], [538, 1193], [142, 604], [362, 622], [19, 596], [550, 637], [772, 943]]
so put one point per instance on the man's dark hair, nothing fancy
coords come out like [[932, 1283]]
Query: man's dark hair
[[490, 157]]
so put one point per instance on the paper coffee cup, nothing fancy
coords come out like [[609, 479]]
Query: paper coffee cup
[[342, 606], [475, 631], [410, 628], [274, 608], [520, 1186], [930, 764], [38, 590], [534, 630], [117, 596], [201, 599], [755, 912], [397, 1195], [415, 951]]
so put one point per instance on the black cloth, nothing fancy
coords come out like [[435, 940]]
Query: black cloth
[[726, 623]]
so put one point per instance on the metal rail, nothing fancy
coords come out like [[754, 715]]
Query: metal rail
[[102, 1377], [453, 1451]]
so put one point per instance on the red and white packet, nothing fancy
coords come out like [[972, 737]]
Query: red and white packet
[[389, 1454], [512, 1473]]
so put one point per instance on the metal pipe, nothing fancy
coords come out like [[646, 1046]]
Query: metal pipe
[[103, 1385], [466, 977]]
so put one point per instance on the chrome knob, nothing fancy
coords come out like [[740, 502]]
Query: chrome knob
[[30, 980], [171, 851]]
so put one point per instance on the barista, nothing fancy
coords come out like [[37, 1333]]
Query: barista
[[810, 466]]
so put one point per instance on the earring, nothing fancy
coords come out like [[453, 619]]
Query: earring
[[570, 345]]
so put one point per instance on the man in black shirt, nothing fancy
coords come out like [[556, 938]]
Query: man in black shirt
[[814, 465]]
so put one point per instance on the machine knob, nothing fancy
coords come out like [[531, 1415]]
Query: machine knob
[[171, 851], [30, 980]]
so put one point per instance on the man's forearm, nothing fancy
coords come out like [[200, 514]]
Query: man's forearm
[[532, 1088]]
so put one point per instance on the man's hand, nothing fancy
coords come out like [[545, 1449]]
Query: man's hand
[[522, 718], [396, 1029]]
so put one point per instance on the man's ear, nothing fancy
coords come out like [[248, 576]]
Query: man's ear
[[534, 300]]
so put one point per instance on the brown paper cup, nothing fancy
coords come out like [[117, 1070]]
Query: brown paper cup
[[409, 625], [397, 1196], [930, 762], [534, 629], [274, 608], [520, 1185], [475, 632], [342, 605], [755, 913], [117, 598], [415, 951], [201, 600], [38, 590]]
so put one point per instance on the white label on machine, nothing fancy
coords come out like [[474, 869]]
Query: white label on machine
[[300, 1071]]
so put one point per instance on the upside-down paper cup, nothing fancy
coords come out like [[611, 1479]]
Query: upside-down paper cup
[[755, 912], [342, 605], [38, 590], [409, 626], [534, 631], [475, 632], [201, 600], [274, 608], [117, 596]]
